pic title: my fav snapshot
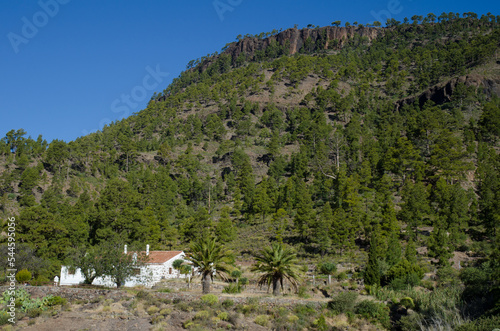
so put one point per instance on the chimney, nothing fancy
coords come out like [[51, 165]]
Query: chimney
[[147, 250], [125, 249]]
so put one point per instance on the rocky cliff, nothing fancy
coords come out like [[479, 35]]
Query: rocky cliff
[[297, 39], [443, 92]]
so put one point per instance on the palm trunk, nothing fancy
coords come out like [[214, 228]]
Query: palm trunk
[[205, 282], [276, 287]]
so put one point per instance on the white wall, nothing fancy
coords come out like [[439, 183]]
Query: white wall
[[149, 275]]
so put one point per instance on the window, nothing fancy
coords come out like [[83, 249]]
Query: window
[[137, 271], [169, 271]]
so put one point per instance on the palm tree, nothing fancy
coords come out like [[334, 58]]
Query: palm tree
[[277, 263], [209, 258]]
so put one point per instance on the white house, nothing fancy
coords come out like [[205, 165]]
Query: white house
[[158, 266]]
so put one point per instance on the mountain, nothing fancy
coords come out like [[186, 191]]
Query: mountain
[[323, 138]]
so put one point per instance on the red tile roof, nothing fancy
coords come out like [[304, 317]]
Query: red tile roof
[[160, 256]]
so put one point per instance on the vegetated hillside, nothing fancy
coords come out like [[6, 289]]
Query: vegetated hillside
[[326, 139]]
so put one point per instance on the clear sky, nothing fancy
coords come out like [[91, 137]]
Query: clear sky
[[67, 67]]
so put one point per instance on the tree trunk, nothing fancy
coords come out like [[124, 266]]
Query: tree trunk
[[276, 287], [206, 283]]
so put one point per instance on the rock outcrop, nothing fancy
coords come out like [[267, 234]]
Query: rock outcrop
[[442, 92], [297, 38]]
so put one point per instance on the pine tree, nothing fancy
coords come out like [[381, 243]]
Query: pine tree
[[261, 201], [394, 251], [372, 270], [225, 230], [415, 207], [411, 252], [439, 246], [321, 232], [305, 216]]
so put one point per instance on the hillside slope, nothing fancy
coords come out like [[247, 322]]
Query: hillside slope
[[318, 137]]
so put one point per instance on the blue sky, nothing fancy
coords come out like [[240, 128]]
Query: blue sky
[[70, 66]]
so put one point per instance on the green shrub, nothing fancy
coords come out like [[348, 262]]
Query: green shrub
[[248, 309], [320, 323], [152, 310], [165, 311], [343, 302], [236, 274], [342, 276], [33, 312], [142, 294], [227, 303], [491, 323], [223, 316], [23, 276], [407, 302], [243, 281], [327, 268], [57, 300], [40, 281], [302, 292], [471, 276], [4, 317], [202, 315], [403, 269], [447, 276], [398, 284], [210, 299], [410, 322], [232, 288], [305, 310], [262, 320], [374, 311], [157, 319]]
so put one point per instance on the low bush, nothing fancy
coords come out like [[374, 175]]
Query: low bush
[[343, 302], [232, 288], [142, 294], [4, 317], [152, 310], [342, 276], [165, 311], [202, 315], [33, 312], [481, 324], [374, 311], [157, 319], [302, 292], [210, 299], [40, 281], [56, 300], [223, 316], [407, 302], [305, 310], [23, 276], [327, 268], [227, 303], [262, 320]]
